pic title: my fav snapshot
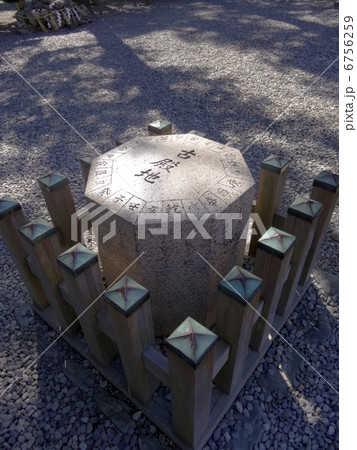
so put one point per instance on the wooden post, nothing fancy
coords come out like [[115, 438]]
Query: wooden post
[[85, 166], [237, 301], [160, 128], [301, 222], [58, 197], [84, 284], [77, 232], [273, 173], [325, 191], [11, 219], [272, 261], [42, 243], [191, 356], [128, 304]]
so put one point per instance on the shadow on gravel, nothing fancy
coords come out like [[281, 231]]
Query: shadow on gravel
[[290, 26], [290, 388], [109, 81]]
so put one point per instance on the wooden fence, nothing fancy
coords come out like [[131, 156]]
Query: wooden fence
[[204, 369]]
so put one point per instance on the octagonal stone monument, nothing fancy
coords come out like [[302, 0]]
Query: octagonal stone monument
[[174, 211]]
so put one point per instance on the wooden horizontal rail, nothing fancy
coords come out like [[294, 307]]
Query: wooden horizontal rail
[[157, 364], [221, 356]]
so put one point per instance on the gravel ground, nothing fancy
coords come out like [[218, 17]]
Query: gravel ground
[[230, 68]]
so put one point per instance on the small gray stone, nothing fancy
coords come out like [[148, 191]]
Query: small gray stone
[[66, 409], [137, 415], [239, 407], [212, 445], [23, 315], [227, 436], [58, 435], [55, 405]]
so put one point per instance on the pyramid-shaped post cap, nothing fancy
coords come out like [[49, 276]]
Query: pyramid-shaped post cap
[[160, 127], [275, 164], [327, 180], [86, 161], [37, 230], [198, 133], [123, 139], [191, 341], [8, 205], [305, 208], [126, 296], [276, 242], [240, 285], [77, 259], [236, 145], [53, 181]]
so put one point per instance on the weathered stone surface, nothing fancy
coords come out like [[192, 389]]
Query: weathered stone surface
[[115, 410], [182, 177], [79, 375], [150, 442]]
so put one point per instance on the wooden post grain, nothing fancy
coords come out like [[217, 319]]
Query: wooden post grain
[[237, 301], [272, 261], [160, 128], [301, 222], [84, 284], [58, 197], [191, 360], [128, 304], [11, 219], [42, 244], [324, 190], [273, 173], [85, 166]]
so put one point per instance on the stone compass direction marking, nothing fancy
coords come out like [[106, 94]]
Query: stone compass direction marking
[[168, 172]]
